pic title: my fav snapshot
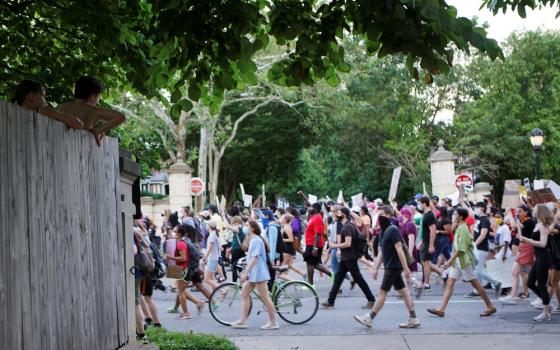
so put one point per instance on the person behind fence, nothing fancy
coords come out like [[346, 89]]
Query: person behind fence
[[30, 95], [87, 93]]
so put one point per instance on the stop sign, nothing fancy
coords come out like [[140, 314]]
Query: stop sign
[[197, 186], [463, 179]]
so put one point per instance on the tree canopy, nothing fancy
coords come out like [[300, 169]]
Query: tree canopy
[[201, 48]]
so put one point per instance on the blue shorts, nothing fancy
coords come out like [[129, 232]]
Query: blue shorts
[[442, 247], [212, 266]]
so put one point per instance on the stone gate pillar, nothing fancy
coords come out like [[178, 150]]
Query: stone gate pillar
[[442, 165], [180, 175]]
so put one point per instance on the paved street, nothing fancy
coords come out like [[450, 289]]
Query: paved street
[[461, 319]]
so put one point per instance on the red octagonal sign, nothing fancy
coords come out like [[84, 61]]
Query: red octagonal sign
[[197, 186], [463, 179]]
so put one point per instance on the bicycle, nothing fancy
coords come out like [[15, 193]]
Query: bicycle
[[296, 302]]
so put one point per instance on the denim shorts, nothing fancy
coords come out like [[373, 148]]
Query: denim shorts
[[212, 266]]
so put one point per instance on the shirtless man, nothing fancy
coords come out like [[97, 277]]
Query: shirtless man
[[30, 95], [87, 92]]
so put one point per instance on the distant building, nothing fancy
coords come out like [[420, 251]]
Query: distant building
[[156, 183]]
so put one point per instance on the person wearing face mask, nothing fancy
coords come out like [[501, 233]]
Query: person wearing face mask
[[348, 260], [481, 237], [462, 265], [394, 261]]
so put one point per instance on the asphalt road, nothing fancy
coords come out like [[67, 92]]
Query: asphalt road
[[462, 316]]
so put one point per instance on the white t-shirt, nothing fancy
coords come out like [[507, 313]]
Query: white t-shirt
[[504, 235], [215, 252]]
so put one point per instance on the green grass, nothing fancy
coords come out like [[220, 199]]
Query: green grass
[[166, 340]]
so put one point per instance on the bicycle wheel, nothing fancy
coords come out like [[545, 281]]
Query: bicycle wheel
[[296, 302], [227, 305]]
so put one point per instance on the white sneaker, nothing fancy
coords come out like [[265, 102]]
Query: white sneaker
[[536, 302], [240, 325], [509, 300], [364, 320], [556, 310], [411, 323], [270, 326], [542, 318]]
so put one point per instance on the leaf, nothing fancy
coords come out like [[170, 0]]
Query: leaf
[[333, 80], [194, 92]]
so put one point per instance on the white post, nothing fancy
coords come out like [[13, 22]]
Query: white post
[[180, 175], [442, 165]]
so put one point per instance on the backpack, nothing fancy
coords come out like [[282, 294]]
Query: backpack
[[142, 260], [198, 227], [280, 245], [359, 244], [160, 267]]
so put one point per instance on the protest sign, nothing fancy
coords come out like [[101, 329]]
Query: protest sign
[[510, 198], [527, 184], [340, 199], [312, 199], [248, 200], [542, 196], [242, 191], [501, 271], [538, 184], [263, 197], [554, 188], [223, 202], [394, 183], [358, 200]]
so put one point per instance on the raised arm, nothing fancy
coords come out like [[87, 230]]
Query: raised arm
[[113, 119]]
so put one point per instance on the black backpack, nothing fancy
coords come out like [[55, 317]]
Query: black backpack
[[160, 267], [359, 244]]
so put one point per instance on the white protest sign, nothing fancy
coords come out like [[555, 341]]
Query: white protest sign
[[242, 191], [217, 200], [222, 202], [538, 184], [358, 200], [248, 200], [501, 271], [340, 199], [554, 188], [263, 197], [312, 199], [394, 183]]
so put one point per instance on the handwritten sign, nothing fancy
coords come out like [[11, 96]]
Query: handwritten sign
[[511, 199], [394, 183]]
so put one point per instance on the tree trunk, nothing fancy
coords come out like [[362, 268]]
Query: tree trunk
[[203, 159], [181, 150], [214, 174], [211, 193]]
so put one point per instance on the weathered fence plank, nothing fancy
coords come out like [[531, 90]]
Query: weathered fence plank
[[62, 266]]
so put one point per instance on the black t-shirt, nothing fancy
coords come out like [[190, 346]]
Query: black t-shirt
[[528, 228], [483, 223], [348, 230], [440, 225], [428, 220], [388, 239]]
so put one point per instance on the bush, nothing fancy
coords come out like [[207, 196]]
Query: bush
[[153, 195], [166, 340]]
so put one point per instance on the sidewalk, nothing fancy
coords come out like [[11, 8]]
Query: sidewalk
[[400, 342]]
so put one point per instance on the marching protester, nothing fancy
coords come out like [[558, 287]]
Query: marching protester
[[347, 242], [462, 263], [394, 261], [256, 276], [314, 243], [289, 239], [428, 244], [538, 276], [482, 238]]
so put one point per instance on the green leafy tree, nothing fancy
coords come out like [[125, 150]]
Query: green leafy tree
[[510, 98]]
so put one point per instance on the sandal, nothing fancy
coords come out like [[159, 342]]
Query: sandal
[[436, 312], [184, 316], [488, 312]]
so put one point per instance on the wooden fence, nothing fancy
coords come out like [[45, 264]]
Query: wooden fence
[[62, 247]]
